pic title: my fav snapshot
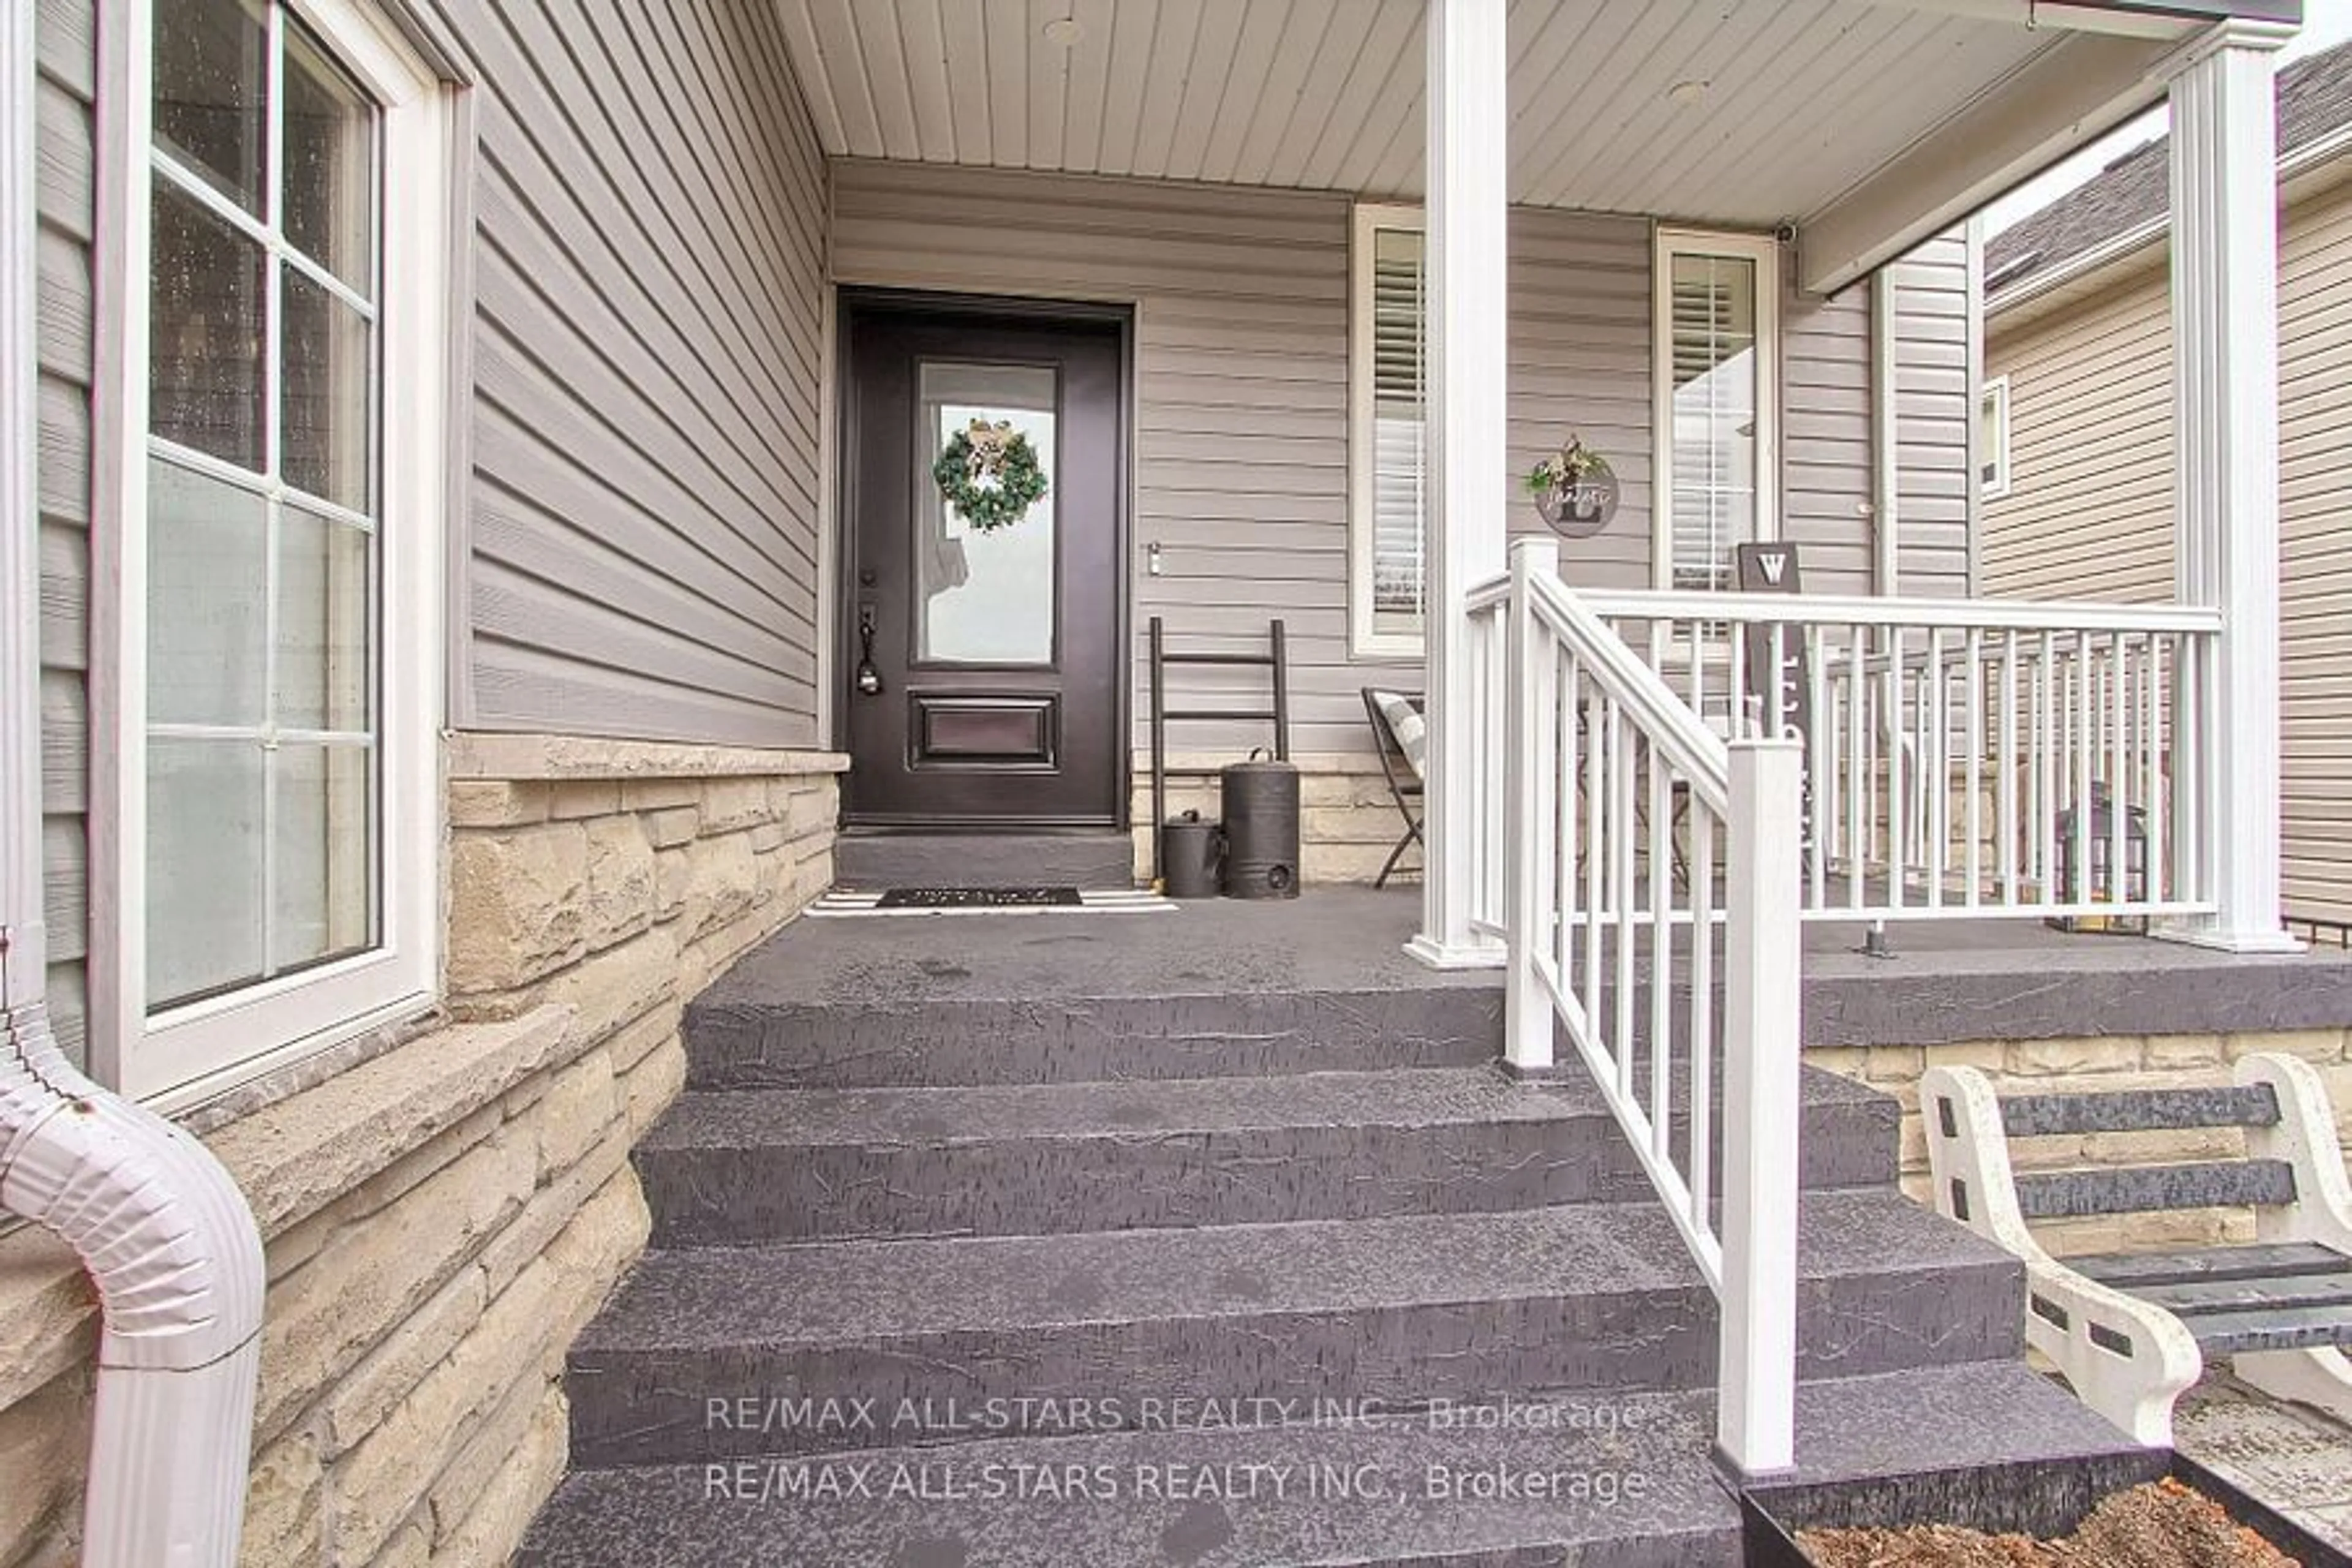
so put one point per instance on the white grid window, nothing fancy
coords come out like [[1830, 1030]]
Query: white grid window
[[280, 429], [1714, 300], [1992, 439], [1389, 438]]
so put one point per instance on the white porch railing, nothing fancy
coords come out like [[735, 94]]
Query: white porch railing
[[1643, 872], [1963, 758]]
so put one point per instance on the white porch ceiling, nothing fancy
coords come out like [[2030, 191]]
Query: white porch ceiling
[[1795, 102]]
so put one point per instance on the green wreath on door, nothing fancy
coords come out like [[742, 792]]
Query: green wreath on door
[[990, 474]]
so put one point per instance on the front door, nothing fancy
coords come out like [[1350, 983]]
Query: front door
[[984, 662]]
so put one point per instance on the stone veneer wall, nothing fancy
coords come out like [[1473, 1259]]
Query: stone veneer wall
[[1347, 823], [2123, 1061], [443, 1216]]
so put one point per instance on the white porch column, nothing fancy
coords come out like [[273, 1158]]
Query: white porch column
[[1469, 215], [2226, 421]]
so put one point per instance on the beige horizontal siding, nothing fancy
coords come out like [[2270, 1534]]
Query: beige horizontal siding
[[1934, 412], [2091, 509]]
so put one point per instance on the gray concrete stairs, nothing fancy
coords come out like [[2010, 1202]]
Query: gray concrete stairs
[[948, 1280], [874, 861]]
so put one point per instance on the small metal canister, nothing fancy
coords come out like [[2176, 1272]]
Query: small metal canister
[[1191, 857], [1261, 811]]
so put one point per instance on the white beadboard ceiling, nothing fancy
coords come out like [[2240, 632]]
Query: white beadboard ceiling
[[1802, 99]]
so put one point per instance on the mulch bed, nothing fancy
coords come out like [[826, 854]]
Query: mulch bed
[[2161, 1525]]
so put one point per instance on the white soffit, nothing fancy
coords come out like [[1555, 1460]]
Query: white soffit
[[1736, 112]]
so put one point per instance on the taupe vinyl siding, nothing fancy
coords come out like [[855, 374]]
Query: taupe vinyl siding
[[2316, 527], [2091, 509], [64, 132], [648, 270], [1241, 423], [1579, 350], [1935, 406], [1825, 439]]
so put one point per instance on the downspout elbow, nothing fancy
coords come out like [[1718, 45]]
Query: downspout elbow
[[173, 1249]]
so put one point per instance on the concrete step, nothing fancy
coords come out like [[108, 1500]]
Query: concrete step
[[1321, 984], [751, 1166], [1627, 1482], [960, 1042], [1597, 1296], [882, 860]]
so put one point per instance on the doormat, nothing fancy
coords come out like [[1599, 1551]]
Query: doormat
[[978, 898], [842, 902]]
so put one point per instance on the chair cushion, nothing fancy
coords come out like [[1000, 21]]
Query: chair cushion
[[1405, 722]]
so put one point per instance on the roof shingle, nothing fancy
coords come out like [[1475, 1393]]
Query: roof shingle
[[2314, 100]]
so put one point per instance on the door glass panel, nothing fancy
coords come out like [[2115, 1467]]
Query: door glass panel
[[985, 596]]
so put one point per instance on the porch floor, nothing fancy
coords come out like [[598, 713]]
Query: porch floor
[[1949, 981]]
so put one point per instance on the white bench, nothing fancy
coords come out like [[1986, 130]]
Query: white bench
[[2131, 1331]]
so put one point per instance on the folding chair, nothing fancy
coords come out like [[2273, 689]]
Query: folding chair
[[1397, 725]]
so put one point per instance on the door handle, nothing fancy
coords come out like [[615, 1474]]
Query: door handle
[[869, 679]]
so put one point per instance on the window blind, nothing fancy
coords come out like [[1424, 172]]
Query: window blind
[[1712, 330], [1400, 431]]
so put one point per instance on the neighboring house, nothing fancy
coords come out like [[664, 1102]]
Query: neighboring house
[[474, 544], [2078, 466]]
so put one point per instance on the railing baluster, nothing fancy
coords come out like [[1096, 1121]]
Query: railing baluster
[[2161, 881], [1936, 725], [2045, 815], [2084, 750], [1976, 751], [1898, 812], [2005, 852], [1860, 774], [2118, 780], [1705, 826], [1818, 764], [1735, 697], [1566, 862], [1620, 893], [1599, 743], [1662, 932]]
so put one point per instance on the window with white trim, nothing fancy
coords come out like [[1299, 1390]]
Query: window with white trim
[[1715, 308], [281, 425], [1388, 445], [1992, 439]]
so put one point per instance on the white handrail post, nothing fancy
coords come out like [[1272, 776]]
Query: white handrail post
[[2226, 423], [1756, 1412], [1529, 758], [1468, 233]]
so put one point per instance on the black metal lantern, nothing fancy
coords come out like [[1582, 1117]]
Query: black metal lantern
[[2101, 881]]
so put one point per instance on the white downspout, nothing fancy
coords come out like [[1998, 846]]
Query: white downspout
[[171, 1246], [168, 1239]]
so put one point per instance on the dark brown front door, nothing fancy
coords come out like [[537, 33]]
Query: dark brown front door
[[984, 666]]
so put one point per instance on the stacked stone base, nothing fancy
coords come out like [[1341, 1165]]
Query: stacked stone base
[[443, 1217]]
